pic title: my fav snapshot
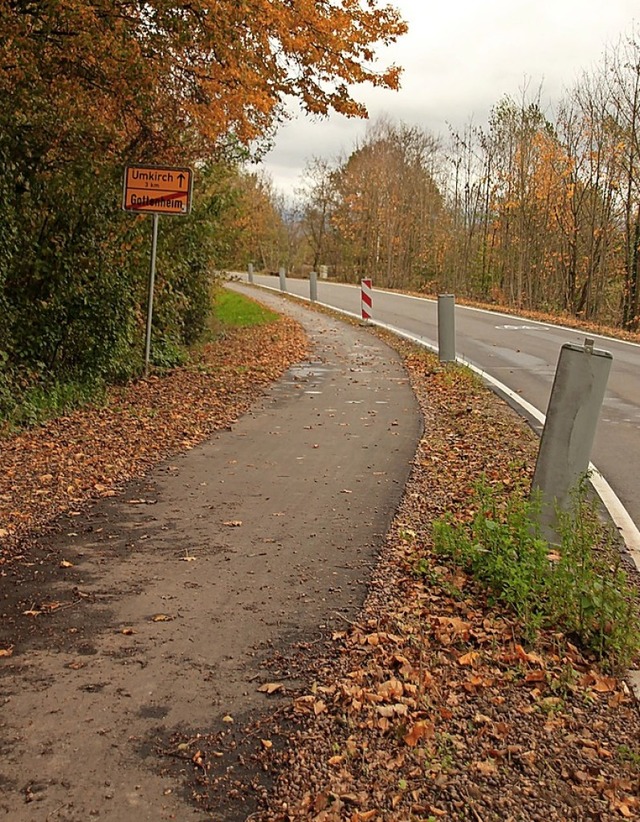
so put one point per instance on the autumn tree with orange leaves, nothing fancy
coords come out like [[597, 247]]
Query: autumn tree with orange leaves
[[374, 213], [88, 86]]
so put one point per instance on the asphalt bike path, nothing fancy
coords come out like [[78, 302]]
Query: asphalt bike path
[[188, 582]]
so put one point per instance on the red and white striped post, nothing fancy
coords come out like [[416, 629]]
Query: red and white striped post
[[366, 290]]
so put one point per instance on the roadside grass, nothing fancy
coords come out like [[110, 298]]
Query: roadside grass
[[232, 310], [45, 401]]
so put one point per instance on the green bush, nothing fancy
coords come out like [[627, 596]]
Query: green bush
[[167, 353], [74, 278]]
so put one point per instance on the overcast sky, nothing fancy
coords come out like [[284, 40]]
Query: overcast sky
[[459, 59]]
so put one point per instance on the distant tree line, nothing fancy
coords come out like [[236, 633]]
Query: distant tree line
[[527, 211]]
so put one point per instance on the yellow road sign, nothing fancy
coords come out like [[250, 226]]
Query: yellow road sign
[[157, 190]]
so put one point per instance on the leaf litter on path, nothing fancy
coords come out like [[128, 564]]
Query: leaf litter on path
[[65, 463], [435, 707]]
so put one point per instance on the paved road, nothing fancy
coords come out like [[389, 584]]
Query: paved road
[[522, 354], [280, 519]]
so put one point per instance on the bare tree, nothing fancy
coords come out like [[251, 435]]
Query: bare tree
[[317, 197], [623, 77]]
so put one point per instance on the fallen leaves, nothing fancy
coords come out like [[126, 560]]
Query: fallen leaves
[[309, 705], [271, 687], [530, 657], [419, 731], [468, 658], [55, 468], [600, 684], [199, 761], [486, 768], [47, 608]]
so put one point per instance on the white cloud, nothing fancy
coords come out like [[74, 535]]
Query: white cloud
[[459, 59]]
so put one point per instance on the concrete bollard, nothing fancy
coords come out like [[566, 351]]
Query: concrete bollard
[[572, 416], [250, 273], [283, 281], [446, 328], [313, 286]]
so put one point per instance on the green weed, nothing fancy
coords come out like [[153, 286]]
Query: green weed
[[629, 756], [576, 586], [48, 400], [168, 353]]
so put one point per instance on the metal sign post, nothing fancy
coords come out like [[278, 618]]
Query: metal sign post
[[152, 279]]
